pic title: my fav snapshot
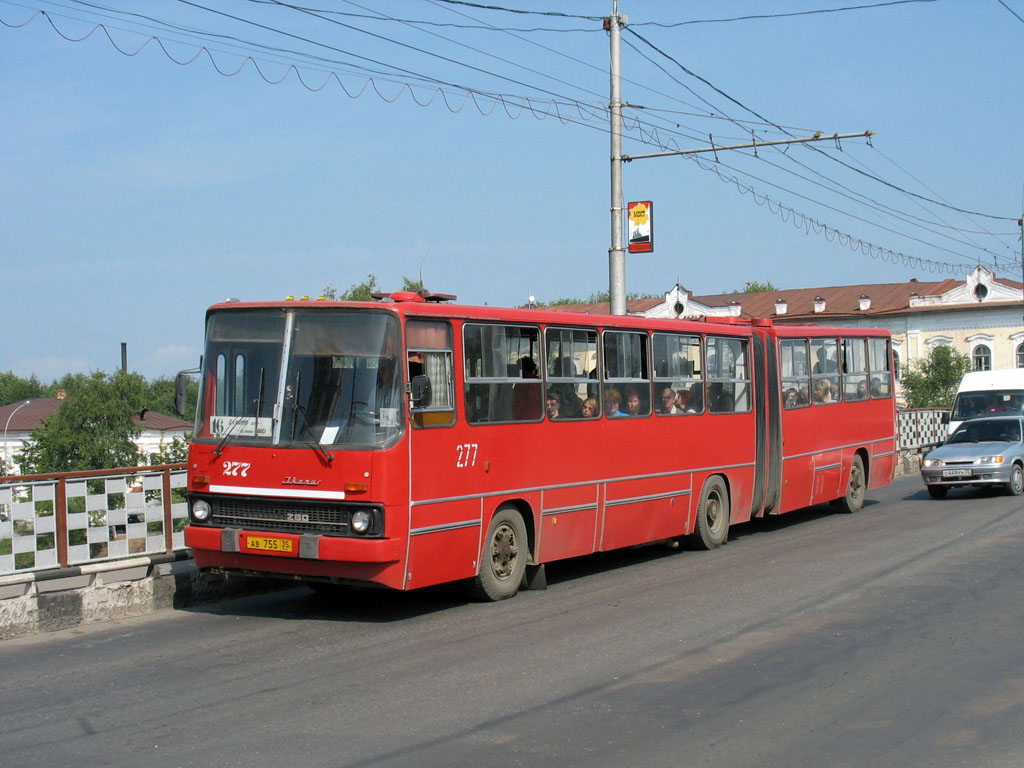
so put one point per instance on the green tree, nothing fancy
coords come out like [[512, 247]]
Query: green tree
[[94, 428], [176, 452], [597, 297], [14, 388], [408, 284], [756, 286], [363, 291], [160, 397], [931, 382]]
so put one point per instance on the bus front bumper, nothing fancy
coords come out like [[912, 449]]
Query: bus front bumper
[[293, 545]]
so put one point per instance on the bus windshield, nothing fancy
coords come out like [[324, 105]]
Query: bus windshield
[[969, 405], [301, 377]]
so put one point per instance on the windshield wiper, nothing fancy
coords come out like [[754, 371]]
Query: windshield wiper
[[227, 435], [239, 419], [313, 441]]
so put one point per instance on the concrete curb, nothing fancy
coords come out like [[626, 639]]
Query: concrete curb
[[908, 464], [63, 598]]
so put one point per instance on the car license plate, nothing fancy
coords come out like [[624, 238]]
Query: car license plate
[[956, 473], [268, 544]]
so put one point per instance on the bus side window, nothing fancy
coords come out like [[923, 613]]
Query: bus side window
[[429, 353], [728, 375], [855, 369], [825, 371], [571, 355], [881, 375], [793, 354], [627, 373], [502, 373], [678, 372]]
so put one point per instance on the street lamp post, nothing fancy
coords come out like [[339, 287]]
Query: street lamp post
[[7, 450]]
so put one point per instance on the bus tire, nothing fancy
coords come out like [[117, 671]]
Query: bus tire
[[1016, 485], [855, 488], [506, 550], [712, 526]]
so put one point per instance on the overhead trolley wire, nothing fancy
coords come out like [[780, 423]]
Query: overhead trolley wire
[[765, 16], [866, 174]]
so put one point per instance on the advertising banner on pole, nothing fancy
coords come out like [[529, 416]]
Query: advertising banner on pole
[[641, 226]]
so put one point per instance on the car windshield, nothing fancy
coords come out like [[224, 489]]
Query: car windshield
[[1002, 431], [304, 376], [968, 405]]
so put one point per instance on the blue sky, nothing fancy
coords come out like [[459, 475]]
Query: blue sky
[[135, 192]]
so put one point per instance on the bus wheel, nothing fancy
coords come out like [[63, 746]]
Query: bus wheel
[[1016, 485], [854, 498], [506, 551], [712, 528]]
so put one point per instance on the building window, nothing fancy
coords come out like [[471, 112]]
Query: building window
[[896, 363], [982, 357], [1020, 355]]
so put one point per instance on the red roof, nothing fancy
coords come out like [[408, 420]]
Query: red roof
[[27, 415], [840, 301]]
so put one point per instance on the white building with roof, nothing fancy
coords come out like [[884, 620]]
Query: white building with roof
[[19, 419]]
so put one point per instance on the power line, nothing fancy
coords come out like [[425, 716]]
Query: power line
[[834, 159], [763, 16], [1011, 11], [566, 109]]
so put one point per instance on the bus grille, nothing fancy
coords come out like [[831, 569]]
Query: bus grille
[[288, 515]]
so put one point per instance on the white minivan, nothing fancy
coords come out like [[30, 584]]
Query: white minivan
[[988, 393]]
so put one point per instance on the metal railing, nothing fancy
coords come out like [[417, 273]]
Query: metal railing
[[76, 518], [921, 428]]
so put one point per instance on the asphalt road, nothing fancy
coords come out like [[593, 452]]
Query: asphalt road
[[891, 637]]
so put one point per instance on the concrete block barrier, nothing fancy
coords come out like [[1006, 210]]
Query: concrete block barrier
[[63, 598]]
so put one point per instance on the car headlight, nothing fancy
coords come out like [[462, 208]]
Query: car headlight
[[932, 462], [361, 521], [989, 460], [201, 510]]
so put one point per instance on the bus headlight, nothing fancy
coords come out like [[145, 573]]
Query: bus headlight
[[361, 521], [201, 510]]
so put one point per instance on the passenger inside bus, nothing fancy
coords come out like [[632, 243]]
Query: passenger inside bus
[[415, 365], [668, 402], [526, 397], [823, 391], [824, 364], [696, 402], [553, 404], [612, 398], [682, 400], [634, 403], [589, 408], [791, 398]]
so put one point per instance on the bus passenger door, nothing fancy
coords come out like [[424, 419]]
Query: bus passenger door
[[443, 523]]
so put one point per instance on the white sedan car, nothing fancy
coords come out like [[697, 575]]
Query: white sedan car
[[986, 451]]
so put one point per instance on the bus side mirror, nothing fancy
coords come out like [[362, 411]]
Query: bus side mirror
[[181, 393], [420, 392]]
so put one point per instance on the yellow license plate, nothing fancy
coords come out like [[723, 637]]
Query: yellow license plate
[[267, 544]]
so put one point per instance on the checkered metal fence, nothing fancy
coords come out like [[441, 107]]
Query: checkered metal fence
[[54, 521], [921, 428]]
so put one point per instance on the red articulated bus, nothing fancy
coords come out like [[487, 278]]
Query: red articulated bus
[[411, 442]]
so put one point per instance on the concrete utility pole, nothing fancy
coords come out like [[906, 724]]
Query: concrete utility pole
[[1020, 223], [616, 253]]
